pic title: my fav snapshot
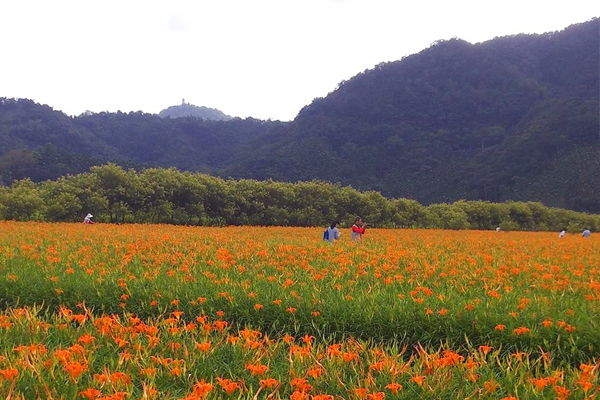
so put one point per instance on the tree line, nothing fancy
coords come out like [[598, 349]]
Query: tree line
[[169, 196]]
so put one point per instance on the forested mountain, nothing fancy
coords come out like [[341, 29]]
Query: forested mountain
[[514, 118], [459, 121], [190, 110], [30, 133]]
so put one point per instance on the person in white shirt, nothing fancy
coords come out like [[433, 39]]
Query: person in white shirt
[[88, 219], [333, 233], [562, 233]]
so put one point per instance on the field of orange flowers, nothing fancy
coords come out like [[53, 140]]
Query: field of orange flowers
[[164, 312]]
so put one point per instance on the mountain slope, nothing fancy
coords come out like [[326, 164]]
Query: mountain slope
[[454, 121], [29, 132]]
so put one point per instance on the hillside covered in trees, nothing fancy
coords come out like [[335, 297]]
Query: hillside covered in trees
[[514, 118]]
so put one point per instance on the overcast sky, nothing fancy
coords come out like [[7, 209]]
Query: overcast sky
[[265, 59]]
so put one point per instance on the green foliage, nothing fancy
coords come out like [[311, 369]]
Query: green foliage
[[155, 195], [508, 225], [448, 217], [23, 202]]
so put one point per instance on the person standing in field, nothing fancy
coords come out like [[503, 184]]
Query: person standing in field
[[332, 233], [586, 233], [88, 219], [358, 229]]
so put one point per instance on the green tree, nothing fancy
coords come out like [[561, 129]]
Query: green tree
[[23, 202]]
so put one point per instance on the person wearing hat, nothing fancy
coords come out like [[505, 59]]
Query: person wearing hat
[[88, 219]]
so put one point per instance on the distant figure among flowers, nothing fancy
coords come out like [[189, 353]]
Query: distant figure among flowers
[[562, 233], [586, 233], [88, 219], [332, 233], [358, 229]]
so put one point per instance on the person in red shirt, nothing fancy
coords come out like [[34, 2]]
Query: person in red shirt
[[358, 229]]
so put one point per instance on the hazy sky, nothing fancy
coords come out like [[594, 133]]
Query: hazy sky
[[265, 59]]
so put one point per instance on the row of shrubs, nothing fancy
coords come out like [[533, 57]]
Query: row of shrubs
[[156, 195]]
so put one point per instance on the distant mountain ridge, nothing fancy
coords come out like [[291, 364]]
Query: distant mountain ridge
[[514, 118], [190, 110]]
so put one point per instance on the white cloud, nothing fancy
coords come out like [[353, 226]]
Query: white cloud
[[177, 24]]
